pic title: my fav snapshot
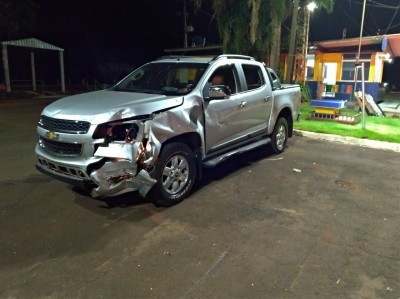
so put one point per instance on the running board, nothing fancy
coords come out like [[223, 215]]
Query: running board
[[216, 160]]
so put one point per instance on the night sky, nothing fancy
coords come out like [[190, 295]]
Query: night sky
[[381, 17], [107, 39], [110, 38]]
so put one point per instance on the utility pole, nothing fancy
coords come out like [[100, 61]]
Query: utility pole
[[357, 66], [185, 38], [305, 46]]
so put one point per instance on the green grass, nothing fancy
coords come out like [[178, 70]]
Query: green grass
[[376, 128]]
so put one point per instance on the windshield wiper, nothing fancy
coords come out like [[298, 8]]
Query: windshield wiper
[[130, 89], [150, 91]]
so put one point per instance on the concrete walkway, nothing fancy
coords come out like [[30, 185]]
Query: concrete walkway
[[391, 104], [391, 107]]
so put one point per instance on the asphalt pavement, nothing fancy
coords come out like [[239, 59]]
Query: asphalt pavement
[[391, 104]]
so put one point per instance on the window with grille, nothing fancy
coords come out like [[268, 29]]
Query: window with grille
[[349, 63]]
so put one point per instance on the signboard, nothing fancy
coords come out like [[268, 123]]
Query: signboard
[[384, 44]]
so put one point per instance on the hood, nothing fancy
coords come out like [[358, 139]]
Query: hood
[[106, 105]]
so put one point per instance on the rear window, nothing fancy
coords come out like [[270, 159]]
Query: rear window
[[253, 75]]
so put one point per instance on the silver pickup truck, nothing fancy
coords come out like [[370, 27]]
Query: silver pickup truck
[[155, 130]]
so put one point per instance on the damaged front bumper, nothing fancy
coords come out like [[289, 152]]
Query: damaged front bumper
[[124, 171], [117, 177]]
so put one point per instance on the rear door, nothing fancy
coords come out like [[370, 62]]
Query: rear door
[[258, 96], [243, 115]]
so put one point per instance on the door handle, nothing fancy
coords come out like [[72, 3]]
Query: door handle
[[267, 98], [242, 104]]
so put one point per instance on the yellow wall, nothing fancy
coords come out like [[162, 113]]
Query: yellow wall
[[372, 68], [376, 71], [321, 58], [318, 67]]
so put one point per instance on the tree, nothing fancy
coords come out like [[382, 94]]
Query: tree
[[278, 12], [17, 18], [242, 25], [250, 27], [292, 42]]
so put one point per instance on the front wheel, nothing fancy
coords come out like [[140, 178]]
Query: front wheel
[[175, 173], [279, 136]]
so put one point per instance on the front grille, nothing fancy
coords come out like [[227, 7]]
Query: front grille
[[60, 148], [64, 125]]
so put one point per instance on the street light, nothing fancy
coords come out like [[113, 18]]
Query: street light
[[307, 12], [311, 6]]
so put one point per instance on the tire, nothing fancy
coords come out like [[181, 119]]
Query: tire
[[175, 173], [279, 136]]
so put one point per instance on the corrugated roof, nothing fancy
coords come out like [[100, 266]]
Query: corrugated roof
[[31, 43], [393, 41]]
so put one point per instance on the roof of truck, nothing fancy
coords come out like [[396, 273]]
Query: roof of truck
[[196, 59], [184, 59]]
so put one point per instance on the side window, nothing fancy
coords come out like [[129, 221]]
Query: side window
[[224, 75], [275, 80], [253, 76], [349, 63]]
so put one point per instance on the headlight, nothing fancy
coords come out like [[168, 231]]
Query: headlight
[[125, 130]]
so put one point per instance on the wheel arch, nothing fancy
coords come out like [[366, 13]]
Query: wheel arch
[[191, 139], [287, 114]]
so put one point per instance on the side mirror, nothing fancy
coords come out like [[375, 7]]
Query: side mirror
[[218, 92]]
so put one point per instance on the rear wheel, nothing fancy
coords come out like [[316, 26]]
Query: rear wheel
[[175, 173], [279, 136]]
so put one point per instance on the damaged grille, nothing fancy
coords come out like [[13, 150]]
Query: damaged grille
[[60, 148], [64, 125]]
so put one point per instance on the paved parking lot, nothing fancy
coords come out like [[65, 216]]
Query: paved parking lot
[[319, 221], [391, 104]]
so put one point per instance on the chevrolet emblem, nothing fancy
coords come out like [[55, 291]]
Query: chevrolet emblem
[[51, 135]]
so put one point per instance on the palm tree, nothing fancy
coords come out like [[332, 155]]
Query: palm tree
[[292, 42], [278, 12], [249, 27], [242, 25]]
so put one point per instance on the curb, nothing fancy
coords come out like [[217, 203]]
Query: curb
[[390, 146]]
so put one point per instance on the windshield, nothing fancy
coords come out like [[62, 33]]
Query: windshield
[[163, 78]]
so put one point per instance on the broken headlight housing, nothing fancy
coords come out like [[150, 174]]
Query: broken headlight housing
[[123, 130]]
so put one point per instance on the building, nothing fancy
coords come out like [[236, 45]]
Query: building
[[330, 67]]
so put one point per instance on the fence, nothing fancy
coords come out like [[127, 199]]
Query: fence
[[42, 85]]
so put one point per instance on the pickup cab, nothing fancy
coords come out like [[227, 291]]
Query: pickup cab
[[155, 130]]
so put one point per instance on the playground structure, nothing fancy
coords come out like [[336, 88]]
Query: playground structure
[[330, 110]]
